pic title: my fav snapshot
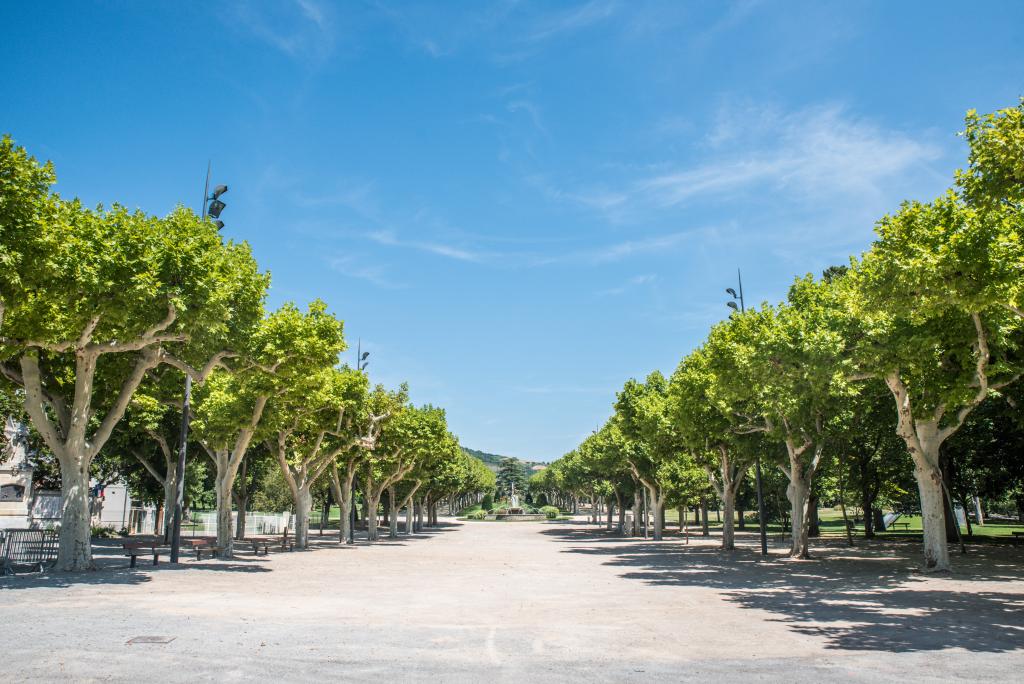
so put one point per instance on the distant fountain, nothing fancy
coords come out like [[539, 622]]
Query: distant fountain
[[513, 500], [515, 512]]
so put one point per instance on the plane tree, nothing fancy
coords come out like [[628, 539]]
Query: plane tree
[[423, 437], [709, 424], [148, 437], [788, 374], [92, 301], [286, 348], [939, 355], [309, 426], [405, 434], [377, 406], [644, 413]]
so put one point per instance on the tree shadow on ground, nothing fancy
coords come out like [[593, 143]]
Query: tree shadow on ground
[[866, 598], [108, 573]]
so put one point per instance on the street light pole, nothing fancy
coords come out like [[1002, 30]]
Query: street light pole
[[361, 364], [179, 474], [762, 523]]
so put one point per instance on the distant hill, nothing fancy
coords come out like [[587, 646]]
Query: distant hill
[[492, 461]]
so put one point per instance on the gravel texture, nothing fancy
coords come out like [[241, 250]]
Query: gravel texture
[[552, 601]]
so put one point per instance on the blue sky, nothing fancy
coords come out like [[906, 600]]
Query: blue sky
[[517, 205]]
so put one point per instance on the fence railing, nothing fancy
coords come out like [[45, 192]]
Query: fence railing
[[204, 523]]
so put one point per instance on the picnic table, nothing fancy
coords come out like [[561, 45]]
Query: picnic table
[[138, 547], [904, 525]]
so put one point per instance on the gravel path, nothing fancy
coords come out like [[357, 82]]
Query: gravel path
[[486, 602]]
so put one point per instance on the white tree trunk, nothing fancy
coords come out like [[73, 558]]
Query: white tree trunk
[[223, 484], [371, 517], [345, 524], [979, 514], [657, 508], [170, 500], [933, 519], [726, 484], [343, 495], [392, 514], [799, 495], [923, 439], [74, 553], [728, 530], [303, 505]]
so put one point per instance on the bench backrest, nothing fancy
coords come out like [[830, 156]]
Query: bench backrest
[[29, 547]]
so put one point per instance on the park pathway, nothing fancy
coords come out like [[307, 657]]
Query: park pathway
[[483, 601]]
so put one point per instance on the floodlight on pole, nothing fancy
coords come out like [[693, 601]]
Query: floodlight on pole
[[216, 206], [212, 207], [762, 523]]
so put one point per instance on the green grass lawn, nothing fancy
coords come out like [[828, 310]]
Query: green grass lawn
[[831, 522]]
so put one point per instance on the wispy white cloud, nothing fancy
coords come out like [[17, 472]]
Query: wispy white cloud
[[820, 152], [532, 110], [301, 29], [570, 20], [630, 284], [626, 249], [354, 267], [390, 239]]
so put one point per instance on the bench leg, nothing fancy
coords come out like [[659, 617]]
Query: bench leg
[[156, 558], [132, 563]]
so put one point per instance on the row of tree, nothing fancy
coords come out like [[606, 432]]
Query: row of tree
[[917, 340], [105, 312]]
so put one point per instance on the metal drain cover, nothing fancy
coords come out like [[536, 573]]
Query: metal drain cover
[[151, 640]]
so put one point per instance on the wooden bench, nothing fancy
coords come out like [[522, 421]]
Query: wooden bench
[[134, 549], [1018, 535], [201, 544], [904, 525], [259, 543]]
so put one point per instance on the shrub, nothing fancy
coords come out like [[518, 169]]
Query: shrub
[[488, 502], [103, 532], [477, 515], [550, 511]]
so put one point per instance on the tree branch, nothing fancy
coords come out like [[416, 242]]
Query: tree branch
[[149, 466], [147, 360], [200, 375], [34, 405]]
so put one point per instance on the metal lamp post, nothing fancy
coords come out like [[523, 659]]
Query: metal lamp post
[[757, 464], [212, 207], [361, 364]]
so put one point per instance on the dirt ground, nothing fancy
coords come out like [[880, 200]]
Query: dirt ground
[[484, 601]]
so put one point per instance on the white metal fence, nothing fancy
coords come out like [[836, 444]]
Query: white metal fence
[[204, 523]]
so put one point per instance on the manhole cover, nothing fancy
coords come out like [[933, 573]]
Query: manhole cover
[[151, 640]]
